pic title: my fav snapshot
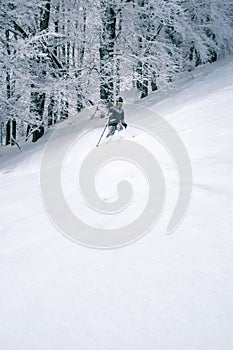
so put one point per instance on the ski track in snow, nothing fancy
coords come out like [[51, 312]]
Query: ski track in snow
[[162, 292]]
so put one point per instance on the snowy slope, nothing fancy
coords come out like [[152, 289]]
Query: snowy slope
[[161, 292]]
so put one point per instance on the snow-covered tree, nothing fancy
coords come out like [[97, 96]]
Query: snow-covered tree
[[59, 56]]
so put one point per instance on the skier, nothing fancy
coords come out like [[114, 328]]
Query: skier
[[116, 119]]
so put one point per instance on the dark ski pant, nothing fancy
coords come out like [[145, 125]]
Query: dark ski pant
[[113, 127]]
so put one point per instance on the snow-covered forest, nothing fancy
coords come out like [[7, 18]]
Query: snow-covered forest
[[60, 56]]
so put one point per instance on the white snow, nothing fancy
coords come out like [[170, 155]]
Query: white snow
[[163, 291]]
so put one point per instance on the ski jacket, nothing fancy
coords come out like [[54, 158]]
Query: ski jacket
[[116, 115]]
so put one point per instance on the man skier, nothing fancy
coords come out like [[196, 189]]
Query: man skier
[[116, 119]]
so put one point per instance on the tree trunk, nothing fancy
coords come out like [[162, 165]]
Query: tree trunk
[[79, 61], [37, 95], [142, 65], [118, 59], [106, 51], [11, 123]]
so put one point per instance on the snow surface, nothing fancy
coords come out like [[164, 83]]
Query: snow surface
[[163, 291]]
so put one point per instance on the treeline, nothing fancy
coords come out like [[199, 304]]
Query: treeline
[[60, 56]]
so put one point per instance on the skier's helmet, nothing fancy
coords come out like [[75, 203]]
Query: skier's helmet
[[119, 101]]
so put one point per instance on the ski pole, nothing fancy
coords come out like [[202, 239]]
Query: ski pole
[[101, 135]]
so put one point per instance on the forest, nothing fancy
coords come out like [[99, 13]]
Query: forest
[[58, 57]]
